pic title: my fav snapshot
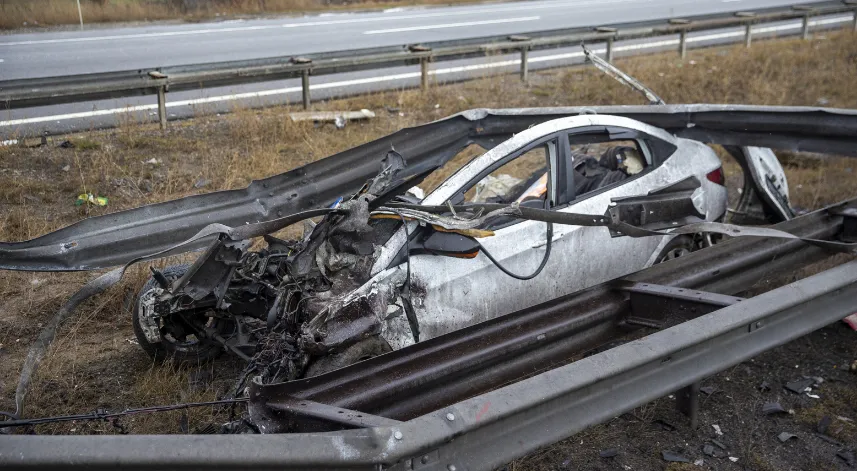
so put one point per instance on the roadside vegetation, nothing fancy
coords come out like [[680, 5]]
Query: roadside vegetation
[[41, 13], [95, 363]]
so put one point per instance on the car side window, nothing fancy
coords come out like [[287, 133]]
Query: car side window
[[523, 180], [599, 161]]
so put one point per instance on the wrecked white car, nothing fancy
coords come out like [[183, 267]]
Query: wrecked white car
[[384, 269]]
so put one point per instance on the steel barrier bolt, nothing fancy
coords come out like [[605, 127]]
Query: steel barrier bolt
[[451, 467], [398, 435], [450, 417]]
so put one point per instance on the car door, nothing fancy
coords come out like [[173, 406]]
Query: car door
[[453, 293]]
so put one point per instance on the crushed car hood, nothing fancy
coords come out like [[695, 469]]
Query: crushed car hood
[[118, 238]]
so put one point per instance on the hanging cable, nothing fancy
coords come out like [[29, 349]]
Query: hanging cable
[[549, 235]]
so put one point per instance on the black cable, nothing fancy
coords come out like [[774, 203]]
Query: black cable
[[549, 235], [104, 415]]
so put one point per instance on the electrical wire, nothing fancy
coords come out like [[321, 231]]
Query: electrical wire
[[549, 235], [104, 415]]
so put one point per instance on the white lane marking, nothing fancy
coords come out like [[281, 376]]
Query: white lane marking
[[314, 23], [410, 75], [1, 60], [730, 1], [452, 25]]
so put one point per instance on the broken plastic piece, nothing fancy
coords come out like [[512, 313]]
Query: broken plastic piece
[[91, 199], [798, 386], [719, 444], [717, 429], [786, 436], [674, 457], [708, 390]]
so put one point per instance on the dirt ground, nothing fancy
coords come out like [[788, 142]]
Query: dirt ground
[[95, 362]]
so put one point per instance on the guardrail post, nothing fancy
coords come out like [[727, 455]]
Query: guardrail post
[[609, 45], [525, 55], [307, 63], [162, 106], [424, 78], [162, 97], [852, 3], [305, 88], [748, 27], [424, 60], [682, 36], [805, 27], [525, 71]]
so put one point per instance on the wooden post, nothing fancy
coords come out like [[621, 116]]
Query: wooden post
[[525, 70], [305, 88], [162, 107]]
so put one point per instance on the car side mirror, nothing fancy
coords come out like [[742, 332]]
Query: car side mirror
[[448, 244]]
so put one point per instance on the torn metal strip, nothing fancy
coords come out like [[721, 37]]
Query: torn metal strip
[[622, 77]]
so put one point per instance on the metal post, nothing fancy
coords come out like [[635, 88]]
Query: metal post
[[424, 82], [305, 88], [805, 33], [855, 20], [687, 400], [610, 50], [525, 71], [682, 44], [748, 35], [80, 14], [162, 106]]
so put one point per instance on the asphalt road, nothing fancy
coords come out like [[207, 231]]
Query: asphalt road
[[106, 49]]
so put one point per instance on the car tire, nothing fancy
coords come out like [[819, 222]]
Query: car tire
[[679, 246], [198, 353], [362, 350]]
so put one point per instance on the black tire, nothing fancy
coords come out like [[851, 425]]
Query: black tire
[[197, 352], [677, 247], [362, 350]]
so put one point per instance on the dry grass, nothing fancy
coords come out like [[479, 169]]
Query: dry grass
[[94, 363], [36, 13]]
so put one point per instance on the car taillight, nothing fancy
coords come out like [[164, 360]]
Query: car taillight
[[717, 176]]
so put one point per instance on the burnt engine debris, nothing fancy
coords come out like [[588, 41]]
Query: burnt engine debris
[[286, 305]]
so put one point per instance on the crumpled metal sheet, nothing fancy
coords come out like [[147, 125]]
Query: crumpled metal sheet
[[115, 239]]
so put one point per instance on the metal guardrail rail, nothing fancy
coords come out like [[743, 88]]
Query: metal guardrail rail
[[24, 93], [484, 430]]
